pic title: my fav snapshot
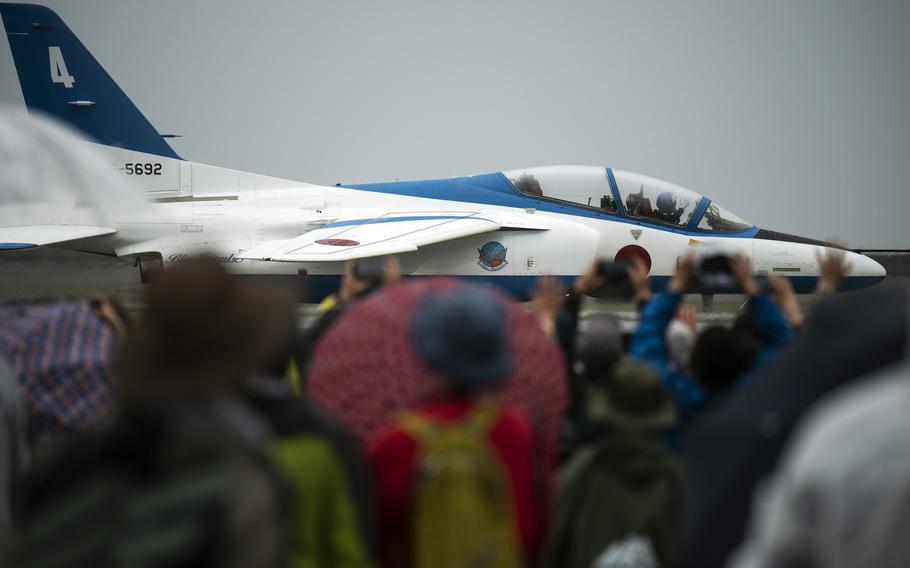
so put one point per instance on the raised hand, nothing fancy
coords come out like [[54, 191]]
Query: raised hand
[[832, 268], [741, 269], [783, 295], [351, 286], [638, 276], [589, 281], [546, 300], [685, 274], [391, 270]]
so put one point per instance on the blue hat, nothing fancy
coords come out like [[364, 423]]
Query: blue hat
[[462, 335]]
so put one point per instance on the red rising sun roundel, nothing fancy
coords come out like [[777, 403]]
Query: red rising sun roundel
[[629, 252], [337, 242]]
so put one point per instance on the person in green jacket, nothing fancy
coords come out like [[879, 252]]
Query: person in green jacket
[[323, 465]]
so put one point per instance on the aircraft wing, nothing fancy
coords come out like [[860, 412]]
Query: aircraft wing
[[30, 236], [388, 233]]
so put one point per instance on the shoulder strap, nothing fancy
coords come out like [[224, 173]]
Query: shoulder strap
[[482, 417], [478, 421], [417, 425]]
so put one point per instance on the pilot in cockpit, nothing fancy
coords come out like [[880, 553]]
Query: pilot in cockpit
[[528, 185], [666, 208]]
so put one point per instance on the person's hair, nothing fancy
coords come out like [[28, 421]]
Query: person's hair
[[599, 348], [720, 355], [528, 184], [204, 333], [747, 324], [289, 350]]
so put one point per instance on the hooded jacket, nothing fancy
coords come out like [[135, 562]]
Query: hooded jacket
[[625, 485]]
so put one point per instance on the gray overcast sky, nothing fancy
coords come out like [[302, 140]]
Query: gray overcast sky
[[793, 114]]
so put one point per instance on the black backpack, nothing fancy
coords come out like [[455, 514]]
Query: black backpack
[[622, 492]]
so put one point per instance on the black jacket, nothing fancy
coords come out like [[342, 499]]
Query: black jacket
[[729, 450]]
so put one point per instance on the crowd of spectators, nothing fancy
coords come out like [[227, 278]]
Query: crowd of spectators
[[436, 423]]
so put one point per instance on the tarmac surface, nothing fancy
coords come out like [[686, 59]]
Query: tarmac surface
[[51, 272]]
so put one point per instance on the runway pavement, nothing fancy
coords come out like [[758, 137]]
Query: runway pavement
[[48, 272]]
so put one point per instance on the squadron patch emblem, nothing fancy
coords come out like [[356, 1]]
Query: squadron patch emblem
[[492, 256]]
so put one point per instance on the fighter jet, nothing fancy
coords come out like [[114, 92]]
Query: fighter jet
[[504, 228]]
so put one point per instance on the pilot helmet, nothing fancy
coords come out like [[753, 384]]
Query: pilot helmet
[[666, 201]]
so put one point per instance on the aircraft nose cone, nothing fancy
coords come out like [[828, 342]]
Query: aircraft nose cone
[[871, 268]]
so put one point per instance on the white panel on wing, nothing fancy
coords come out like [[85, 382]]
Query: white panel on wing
[[389, 233]]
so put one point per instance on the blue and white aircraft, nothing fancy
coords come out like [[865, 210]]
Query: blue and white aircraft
[[504, 228]]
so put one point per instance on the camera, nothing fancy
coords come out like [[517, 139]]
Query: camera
[[714, 268], [617, 285], [371, 269], [613, 270]]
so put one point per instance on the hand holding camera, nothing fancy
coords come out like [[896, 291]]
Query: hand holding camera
[[362, 275], [638, 276], [686, 275], [713, 269], [610, 280], [741, 271]]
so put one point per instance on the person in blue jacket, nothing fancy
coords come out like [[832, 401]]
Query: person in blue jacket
[[721, 356]]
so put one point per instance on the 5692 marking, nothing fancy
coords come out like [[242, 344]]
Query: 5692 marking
[[142, 169]]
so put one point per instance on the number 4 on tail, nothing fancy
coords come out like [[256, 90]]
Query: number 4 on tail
[[59, 73]]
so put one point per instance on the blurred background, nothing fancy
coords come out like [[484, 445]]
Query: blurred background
[[791, 114]]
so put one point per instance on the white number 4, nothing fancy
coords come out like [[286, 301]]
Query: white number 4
[[59, 74]]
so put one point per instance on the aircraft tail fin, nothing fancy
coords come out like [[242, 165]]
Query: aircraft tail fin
[[60, 77]]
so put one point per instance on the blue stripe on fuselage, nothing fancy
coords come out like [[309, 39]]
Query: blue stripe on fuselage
[[375, 221]]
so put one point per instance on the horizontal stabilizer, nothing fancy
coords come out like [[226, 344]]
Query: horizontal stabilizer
[[389, 233], [30, 236]]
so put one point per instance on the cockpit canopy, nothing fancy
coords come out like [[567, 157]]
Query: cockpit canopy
[[656, 200], [716, 218], [641, 197], [581, 185]]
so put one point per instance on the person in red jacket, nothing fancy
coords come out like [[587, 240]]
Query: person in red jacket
[[462, 338]]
